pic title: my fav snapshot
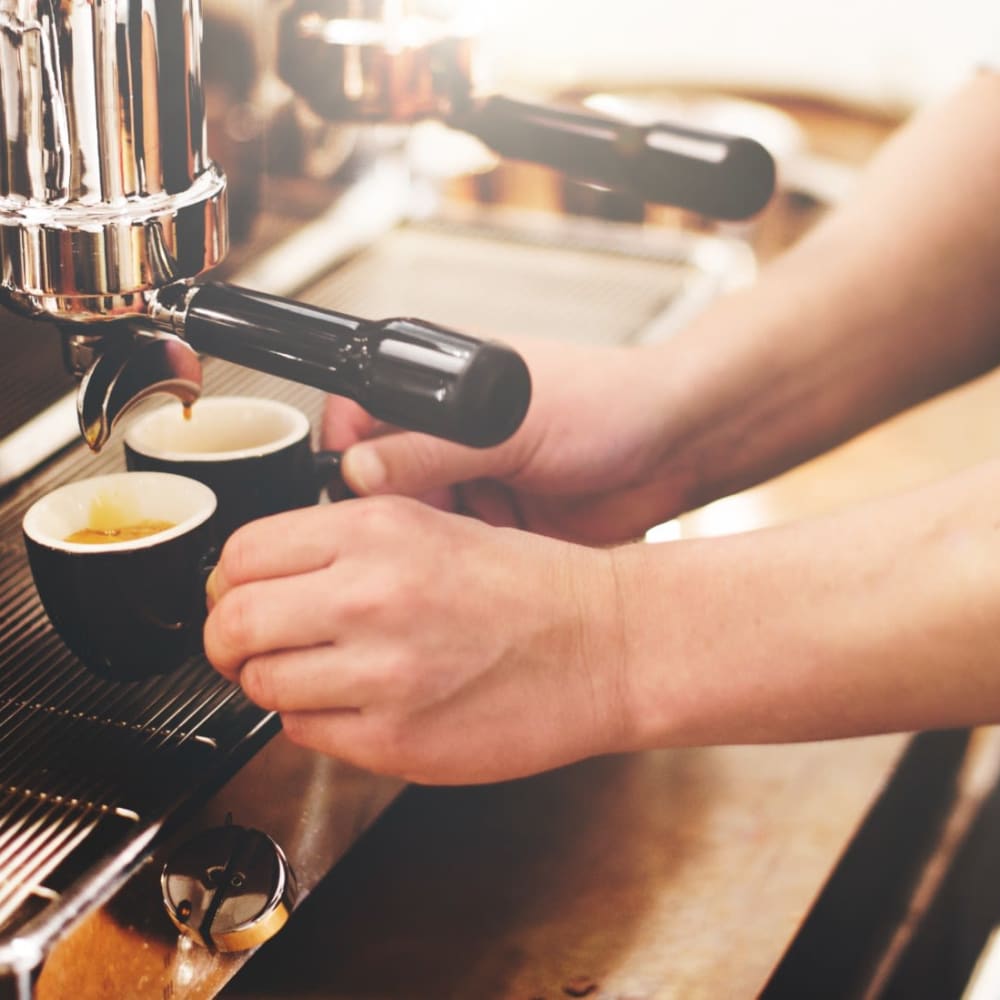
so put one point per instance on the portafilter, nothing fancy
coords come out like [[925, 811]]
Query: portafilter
[[395, 61]]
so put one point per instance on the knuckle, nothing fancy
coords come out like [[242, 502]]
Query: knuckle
[[259, 684], [238, 556], [408, 585], [380, 592], [233, 624], [361, 603], [378, 514], [384, 514]]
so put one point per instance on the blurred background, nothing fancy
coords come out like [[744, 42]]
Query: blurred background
[[887, 56]]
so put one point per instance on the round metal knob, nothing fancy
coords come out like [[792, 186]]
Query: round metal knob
[[229, 888]]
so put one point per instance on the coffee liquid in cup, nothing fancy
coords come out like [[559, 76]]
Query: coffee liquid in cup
[[111, 520], [124, 533]]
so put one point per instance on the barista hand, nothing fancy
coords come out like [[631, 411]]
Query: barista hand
[[420, 643], [430, 646], [586, 465]]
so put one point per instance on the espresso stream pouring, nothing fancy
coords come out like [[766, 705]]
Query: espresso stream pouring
[[405, 371]]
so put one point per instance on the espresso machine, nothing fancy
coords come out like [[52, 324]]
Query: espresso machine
[[113, 216], [112, 210]]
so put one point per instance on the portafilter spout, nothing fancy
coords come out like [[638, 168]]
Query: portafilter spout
[[405, 371], [126, 367]]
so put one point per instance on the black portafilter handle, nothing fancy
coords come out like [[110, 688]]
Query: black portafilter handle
[[725, 177], [407, 372]]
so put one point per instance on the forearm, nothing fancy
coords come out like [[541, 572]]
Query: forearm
[[886, 303], [882, 618]]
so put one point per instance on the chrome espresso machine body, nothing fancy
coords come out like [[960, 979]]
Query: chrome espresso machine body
[[112, 213]]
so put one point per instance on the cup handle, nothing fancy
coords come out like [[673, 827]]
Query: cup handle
[[326, 473], [206, 565]]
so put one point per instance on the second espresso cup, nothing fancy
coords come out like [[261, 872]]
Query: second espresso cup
[[254, 453], [120, 563]]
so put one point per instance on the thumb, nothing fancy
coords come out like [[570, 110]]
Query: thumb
[[413, 464]]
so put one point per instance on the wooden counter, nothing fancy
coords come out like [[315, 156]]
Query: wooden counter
[[670, 874]]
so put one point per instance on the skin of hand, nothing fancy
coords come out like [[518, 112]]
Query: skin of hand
[[583, 468], [431, 646], [879, 618], [421, 643]]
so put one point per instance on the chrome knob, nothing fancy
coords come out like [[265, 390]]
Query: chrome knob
[[229, 888]]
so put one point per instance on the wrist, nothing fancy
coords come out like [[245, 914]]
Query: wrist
[[648, 654]]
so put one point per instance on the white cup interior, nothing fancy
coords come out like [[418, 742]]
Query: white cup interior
[[217, 428], [128, 497]]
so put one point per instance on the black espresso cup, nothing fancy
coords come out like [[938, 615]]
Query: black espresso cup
[[254, 453], [120, 564]]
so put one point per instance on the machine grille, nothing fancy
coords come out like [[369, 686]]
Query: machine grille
[[32, 376], [91, 770]]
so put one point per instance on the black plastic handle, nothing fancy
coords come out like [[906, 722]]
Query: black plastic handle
[[721, 176], [405, 371]]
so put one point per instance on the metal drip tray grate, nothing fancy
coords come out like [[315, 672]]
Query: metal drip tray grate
[[501, 275], [33, 375], [91, 771], [69, 760]]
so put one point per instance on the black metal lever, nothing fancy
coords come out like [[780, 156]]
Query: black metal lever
[[408, 372], [722, 176], [345, 73]]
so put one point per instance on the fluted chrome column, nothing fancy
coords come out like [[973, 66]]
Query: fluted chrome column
[[107, 192]]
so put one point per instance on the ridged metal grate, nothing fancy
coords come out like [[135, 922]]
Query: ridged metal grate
[[32, 375], [89, 769], [566, 283]]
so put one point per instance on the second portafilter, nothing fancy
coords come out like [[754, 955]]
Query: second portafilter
[[402, 61]]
